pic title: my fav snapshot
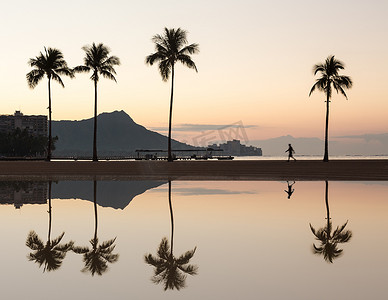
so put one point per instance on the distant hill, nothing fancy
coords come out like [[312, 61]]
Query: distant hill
[[117, 134]]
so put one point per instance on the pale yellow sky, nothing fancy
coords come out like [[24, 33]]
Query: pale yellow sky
[[254, 66]]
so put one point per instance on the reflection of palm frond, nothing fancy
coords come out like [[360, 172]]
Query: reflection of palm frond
[[50, 255], [96, 259], [329, 242], [170, 270]]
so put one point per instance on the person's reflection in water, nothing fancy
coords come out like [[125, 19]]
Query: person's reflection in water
[[51, 254], [168, 269], [97, 257], [289, 190], [328, 241]]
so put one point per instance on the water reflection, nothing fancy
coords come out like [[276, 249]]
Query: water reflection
[[97, 257], [168, 269], [289, 189], [328, 241], [19, 193], [51, 254]]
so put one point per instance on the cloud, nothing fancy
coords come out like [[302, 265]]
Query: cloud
[[204, 191], [382, 137], [204, 127]]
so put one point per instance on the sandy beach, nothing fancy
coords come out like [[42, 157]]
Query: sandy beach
[[354, 170]]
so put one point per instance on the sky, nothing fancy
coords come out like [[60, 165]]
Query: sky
[[254, 66]]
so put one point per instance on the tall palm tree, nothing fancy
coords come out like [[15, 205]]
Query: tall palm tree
[[98, 61], [50, 254], [329, 241], [97, 257], [170, 270], [52, 64], [330, 79], [171, 48]]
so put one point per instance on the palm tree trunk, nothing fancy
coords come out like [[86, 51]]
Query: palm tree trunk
[[95, 123], [49, 212], [326, 155], [49, 127], [95, 208], [327, 208], [172, 216], [170, 159]]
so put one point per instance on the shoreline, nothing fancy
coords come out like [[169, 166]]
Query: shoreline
[[305, 170]]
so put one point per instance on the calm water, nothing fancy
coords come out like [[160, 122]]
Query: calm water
[[234, 240]]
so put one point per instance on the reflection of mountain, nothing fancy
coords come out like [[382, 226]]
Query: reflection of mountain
[[115, 194]]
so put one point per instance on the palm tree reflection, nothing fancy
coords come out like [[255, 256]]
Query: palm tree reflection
[[97, 257], [168, 269], [328, 241], [51, 254]]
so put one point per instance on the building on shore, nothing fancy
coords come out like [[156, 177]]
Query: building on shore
[[237, 149], [35, 125], [19, 193]]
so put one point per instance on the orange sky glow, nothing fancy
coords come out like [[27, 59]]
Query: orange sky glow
[[255, 64]]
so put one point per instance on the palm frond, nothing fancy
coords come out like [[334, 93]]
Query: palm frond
[[186, 60], [33, 241], [58, 79], [81, 69], [190, 49], [34, 77], [108, 75], [165, 69], [154, 57]]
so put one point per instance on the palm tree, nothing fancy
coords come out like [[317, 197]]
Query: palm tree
[[52, 64], [168, 269], [98, 61], [329, 241], [50, 254], [171, 48], [330, 79], [97, 257]]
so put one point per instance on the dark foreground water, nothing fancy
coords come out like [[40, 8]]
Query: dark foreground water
[[230, 240]]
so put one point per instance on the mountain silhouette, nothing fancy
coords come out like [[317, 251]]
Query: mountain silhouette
[[117, 134], [115, 194], [366, 144]]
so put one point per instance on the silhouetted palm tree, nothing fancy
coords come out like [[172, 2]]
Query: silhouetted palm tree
[[169, 270], [329, 241], [170, 48], [330, 79], [52, 64], [98, 61], [50, 254], [97, 257]]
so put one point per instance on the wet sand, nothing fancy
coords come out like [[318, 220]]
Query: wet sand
[[196, 170]]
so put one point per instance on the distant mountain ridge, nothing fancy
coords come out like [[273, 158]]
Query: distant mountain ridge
[[117, 134], [367, 144]]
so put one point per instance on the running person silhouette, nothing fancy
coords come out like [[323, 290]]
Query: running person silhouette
[[290, 151]]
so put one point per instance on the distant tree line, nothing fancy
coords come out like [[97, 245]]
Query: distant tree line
[[20, 143]]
